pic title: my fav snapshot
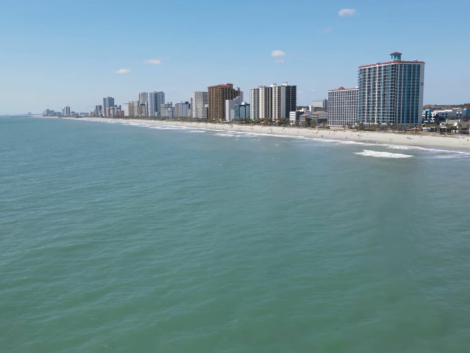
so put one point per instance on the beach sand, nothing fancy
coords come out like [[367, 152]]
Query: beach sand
[[455, 142]]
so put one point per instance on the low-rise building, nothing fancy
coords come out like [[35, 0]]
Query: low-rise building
[[294, 116]]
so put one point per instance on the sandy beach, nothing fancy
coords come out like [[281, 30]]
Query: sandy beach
[[457, 142]]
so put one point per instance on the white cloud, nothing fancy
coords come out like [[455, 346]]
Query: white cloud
[[327, 30], [280, 61], [152, 62], [122, 71], [346, 12], [277, 53]]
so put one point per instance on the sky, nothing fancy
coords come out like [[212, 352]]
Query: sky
[[75, 52]]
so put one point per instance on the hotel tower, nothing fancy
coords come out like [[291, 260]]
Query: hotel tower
[[391, 92]]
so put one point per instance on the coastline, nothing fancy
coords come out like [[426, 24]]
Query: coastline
[[457, 142]]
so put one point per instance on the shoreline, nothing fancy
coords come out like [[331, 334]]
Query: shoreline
[[457, 142]]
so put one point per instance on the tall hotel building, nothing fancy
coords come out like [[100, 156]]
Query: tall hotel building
[[391, 92], [342, 106], [217, 97], [107, 103], [273, 102], [284, 100], [199, 102], [254, 103], [155, 100]]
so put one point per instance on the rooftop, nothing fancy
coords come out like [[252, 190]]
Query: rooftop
[[342, 89]]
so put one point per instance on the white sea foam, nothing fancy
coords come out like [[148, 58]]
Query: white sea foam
[[369, 153], [196, 131], [222, 134]]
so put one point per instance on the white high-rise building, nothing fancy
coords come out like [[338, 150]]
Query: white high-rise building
[[199, 102], [342, 106], [265, 102], [391, 92], [230, 107], [144, 100], [284, 100], [182, 110], [155, 100], [273, 102], [254, 106]]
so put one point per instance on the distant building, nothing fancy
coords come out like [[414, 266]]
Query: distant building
[[230, 107], [431, 115], [107, 103], [284, 100], [217, 96], [391, 92], [199, 105], [273, 102], [155, 100], [243, 111], [133, 109], [265, 102], [254, 106], [342, 106], [183, 110], [322, 104], [294, 116], [127, 109], [114, 111], [98, 110], [319, 117], [66, 111], [167, 110]]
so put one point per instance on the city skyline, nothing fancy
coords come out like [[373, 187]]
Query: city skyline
[[44, 67]]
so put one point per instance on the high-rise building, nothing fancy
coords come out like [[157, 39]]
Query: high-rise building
[[217, 97], [230, 107], [254, 103], [322, 104], [391, 92], [144, 102], [284, 100], [98, 110], [265, 102], [342, 106], [127, 109], [182, 110], [143, 97], [133, 109], [199, 102], [273, 102], [107, 103], [242, 110], [114, 111], [66, 111], [167, 110], [155, 100]]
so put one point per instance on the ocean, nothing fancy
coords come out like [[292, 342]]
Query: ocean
[[126, 237]]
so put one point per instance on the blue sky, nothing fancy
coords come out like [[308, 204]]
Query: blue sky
[[67, 52]]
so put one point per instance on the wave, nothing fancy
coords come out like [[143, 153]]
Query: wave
[[233, 133], [376, 154], [222, 134]]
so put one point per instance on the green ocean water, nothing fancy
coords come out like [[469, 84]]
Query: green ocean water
[[126, 238]]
